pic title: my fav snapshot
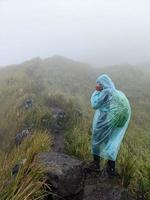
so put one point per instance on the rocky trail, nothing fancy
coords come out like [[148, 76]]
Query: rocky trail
[[69, 180], [58, 142], [66, 175]]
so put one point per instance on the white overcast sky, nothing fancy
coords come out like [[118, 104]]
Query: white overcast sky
[[96, 31]]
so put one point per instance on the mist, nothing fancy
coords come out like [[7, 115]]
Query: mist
[[100, 32]]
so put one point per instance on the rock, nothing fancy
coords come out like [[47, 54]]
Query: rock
[[20, 136], [59, 118], [58, 112], [96, 192], [16, 168], [88, 191], [65, 175], [28, 104], [100, 187]]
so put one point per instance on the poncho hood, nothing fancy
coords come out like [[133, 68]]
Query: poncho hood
[[106, 82]]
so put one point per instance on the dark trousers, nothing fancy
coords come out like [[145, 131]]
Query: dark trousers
[[96, 158]]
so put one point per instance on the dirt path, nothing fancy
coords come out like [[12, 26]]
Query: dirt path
[[58, 141], [96, 186]]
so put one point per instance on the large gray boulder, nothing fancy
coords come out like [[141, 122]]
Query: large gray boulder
[[65, 175]]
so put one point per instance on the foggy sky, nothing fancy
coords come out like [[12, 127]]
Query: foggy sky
[[100, 32]]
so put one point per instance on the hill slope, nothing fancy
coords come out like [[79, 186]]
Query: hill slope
[[42, 81], [36, 78]]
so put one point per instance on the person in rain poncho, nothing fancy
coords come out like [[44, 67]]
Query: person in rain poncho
[[111, 119]]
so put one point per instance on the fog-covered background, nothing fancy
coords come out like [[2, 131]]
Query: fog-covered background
[[100, 32]]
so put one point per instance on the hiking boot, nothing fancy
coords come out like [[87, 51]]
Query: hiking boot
[[111, 171], [111, 168], [93, 166]]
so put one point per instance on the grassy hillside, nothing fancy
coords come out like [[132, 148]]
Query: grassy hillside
[[39, 78], [43, 80]]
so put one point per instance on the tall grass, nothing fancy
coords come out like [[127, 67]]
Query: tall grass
[[30, 181], [132, 163], [142, 190], [126, 165], [78, 140]]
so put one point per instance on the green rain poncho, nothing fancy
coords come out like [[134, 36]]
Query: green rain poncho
[[111, 119]]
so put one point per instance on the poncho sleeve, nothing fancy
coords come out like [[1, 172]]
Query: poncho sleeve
[[98, 98]]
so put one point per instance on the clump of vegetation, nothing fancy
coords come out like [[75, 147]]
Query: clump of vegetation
[[78, 140], [142, 190], [30, 180], [126, 165], [132, 164], [37, 118]]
